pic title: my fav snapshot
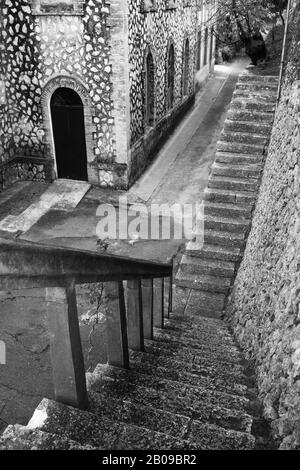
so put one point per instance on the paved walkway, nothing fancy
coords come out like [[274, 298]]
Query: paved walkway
[[180, 172]]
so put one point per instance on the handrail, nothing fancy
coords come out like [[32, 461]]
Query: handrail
[[25, 265], [29, 265]]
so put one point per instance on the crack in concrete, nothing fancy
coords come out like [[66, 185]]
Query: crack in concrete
[[20, 392], [16, 336]]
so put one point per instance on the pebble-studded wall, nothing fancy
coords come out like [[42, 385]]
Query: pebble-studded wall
[[46, 44], [39, 47], [156, 30]]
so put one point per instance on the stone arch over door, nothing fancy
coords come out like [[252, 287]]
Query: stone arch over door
[[75, 84]]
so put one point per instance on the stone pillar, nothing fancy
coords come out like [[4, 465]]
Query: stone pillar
[[147, 297], [65, 344], [135, 315], [116, 325], [158, 303]]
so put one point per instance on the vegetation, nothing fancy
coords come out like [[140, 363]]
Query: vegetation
[[244, 23]]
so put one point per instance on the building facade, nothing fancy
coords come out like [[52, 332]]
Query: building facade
[[90, 90]]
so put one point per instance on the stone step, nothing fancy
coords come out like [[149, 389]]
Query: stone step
[[202, 406], [240, 148], [257, 87], [213, 252], [239, 114], [101, 427], [238, 159], [233, 184], [247, 127], [214, 237], [206, 304], [258, 79], [203, 282], [217, 328], [244, 138], [193, 265], [17, 437], [238, 171], [187, 345], [210, 374], [230, 197], [213, 330], [252, 105], [203, 330], [238, 225], [263, 96], [190, 433], [227, 210], [132, 376], [228, 385]]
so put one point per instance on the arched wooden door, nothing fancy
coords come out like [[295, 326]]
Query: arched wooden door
[[69, 134]]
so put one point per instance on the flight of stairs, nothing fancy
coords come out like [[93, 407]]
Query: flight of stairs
[[231, 193], [190, 389]]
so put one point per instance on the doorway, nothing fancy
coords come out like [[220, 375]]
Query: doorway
[[67, 116]]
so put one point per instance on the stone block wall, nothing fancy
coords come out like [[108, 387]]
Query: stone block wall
[[264, 308]]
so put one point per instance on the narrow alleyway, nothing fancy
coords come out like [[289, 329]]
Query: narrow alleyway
[[180, 172]]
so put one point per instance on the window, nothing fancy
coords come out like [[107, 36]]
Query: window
[[205, 46], [148, 5], [170, 4], [186, 68], [211, 44], [198, 58], [149, 91], [170, 77], [56, 7]]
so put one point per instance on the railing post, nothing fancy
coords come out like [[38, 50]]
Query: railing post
[[135, 315], [158, 303], [116, 327], [147, 297], [170, 308], [65, 344]]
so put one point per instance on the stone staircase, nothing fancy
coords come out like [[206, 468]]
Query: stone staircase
[[189, 389], [231, 193]]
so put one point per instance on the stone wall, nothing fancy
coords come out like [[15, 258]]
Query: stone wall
[[42, 45], [154, 26], [264, 308], [97, 48]]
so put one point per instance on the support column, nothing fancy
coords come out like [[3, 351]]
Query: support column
[[147, 297], [116, 325], [135, 315], [65, 345], [170, 309], [158, 303]]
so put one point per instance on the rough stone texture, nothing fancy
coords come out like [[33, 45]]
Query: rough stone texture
[[98, 49], [264, 308], [142, 409]]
